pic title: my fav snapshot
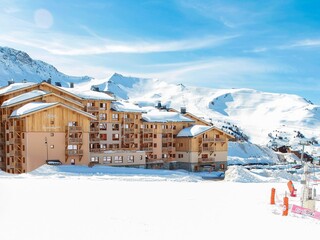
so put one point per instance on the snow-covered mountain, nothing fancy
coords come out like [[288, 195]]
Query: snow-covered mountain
[[19, 66], [269, 119]]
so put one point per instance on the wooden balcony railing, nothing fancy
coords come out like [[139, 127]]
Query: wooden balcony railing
[[205, 160], [147, 130], [92, 109], [147, 139], [75, 140], [74, 128], [74, 152], [208, 149], [147, 149]]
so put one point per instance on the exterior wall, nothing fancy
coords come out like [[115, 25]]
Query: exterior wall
[[120, 158], [55, 119], [45, 137]]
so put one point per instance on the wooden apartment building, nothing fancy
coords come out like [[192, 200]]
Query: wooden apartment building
[[43, 123]]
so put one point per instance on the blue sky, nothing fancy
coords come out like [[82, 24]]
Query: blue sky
[[270, 45]]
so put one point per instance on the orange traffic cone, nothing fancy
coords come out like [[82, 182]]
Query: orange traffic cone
[[273, 193], [285, 206]]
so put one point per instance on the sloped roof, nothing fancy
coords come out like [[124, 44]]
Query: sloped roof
[[34, 94], [162, 117], [122, 106], [33, 107], [16, 86], [193, 130], [89, 94], [23, 97]]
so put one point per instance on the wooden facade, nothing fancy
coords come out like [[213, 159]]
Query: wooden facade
[[84, 130]]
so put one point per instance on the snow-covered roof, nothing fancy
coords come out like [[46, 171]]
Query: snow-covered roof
[[30, 107], [36, 106], [159, 116], [23, 97], [193, 130], [89, 94], [123, 106], [15, 86]]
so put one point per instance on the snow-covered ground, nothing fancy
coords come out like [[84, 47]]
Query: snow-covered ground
[[69, 202]]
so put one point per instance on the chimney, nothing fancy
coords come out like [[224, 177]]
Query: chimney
[[71, 85], [49, 80], [95, 88], [58, 84], [159, 104], [10, 82], [183, 110], [24, 80]]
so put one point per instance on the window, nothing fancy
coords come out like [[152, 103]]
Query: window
[[155, 156], [154, 145], [51, 122], [180, 155], [115, 127], [71, 124], [115, 116], [130, 159], [118, 159], [102, 116], [94, 159], [103, 126], [103, 137], [107, 159], [115, 136], [102, 105], [141, 157], [222, 166]]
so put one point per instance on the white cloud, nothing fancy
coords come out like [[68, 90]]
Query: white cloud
[[221, 71]]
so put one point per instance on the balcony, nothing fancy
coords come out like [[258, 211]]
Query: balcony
[[147, 149], [167, 149], [205, 160], [18, 153], [147, 139], [128, 140], [208, 139], [147, 130], [166, 140], [211, 149], [74, 152], [91, 109], [219, 139], [75, 140], [128, 120], [167, 130], [94, 129], [75, 129], [128, 130]]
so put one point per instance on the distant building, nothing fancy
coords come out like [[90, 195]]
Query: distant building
[[43, 123]]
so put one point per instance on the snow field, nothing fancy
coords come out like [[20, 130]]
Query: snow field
[[69, 206]]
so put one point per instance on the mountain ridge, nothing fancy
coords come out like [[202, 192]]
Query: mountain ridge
[[18, 66], [268, 119]]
